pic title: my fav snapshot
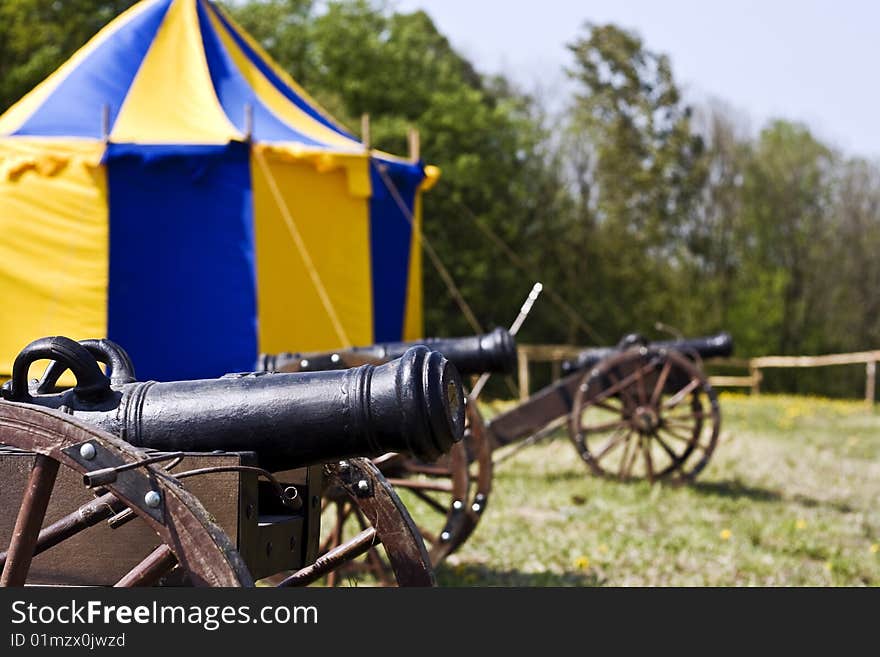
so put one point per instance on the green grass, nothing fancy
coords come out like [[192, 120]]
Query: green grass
[[789, 498]]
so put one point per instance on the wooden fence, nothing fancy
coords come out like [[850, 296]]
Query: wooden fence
[[555, 354]]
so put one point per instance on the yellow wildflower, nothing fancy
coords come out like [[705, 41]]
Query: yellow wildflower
[[800, 524], [725, 534], [875, 548], [828, 566], [582, 562]]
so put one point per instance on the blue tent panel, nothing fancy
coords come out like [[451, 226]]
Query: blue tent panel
[[390, 242], [182, 293], [76, 107]]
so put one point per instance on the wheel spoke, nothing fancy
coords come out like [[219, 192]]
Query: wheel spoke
[[617, 410], [625, 389], [88, 515], [669, 451], [613, 442], [629, 457], [29, 521], [649, 463], [661, 382], [417, 484], [605, 426], [678, 397], [623, 383], [670, 432], [149, 571], [430, 470], [434, 504], [328, 562]]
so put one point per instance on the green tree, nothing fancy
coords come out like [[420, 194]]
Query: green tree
[[641, 177], [36, 36], [787, 196], [399, 69]]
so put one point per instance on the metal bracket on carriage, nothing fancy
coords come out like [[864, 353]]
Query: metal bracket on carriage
[[355, 481], [104, 467]]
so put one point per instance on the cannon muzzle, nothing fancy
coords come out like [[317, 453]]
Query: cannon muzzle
[[490, 352], [413, 404], [712, 346]]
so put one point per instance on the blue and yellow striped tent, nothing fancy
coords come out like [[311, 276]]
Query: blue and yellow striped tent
[[170, 187]]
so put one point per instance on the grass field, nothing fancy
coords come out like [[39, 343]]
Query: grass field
[[790, 498]]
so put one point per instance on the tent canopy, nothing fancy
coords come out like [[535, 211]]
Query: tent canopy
[[172, 188]]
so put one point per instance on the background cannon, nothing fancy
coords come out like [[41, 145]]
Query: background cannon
[[638, 410], [275, 524], [453, 488], [489, 352]]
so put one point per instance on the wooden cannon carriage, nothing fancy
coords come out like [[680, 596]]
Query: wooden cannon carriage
[[214, 482]]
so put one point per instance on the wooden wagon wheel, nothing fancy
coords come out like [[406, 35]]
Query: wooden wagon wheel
[[384, 542], [645, 413], [187, 539], [450, 493]]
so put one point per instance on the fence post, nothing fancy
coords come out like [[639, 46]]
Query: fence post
[[755, 373], [870, 382], [523, 365]]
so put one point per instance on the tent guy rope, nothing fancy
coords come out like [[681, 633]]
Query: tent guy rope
[[303, 251], [454, 292]]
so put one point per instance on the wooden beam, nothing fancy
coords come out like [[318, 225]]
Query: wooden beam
[[815, 361], [731, 381]]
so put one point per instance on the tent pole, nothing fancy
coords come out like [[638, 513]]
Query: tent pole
[[365, 130], [414, 144], [248, 121], [105, 122]]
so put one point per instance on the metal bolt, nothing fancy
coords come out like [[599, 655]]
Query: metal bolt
[[334, 358], [304, 363], [152, 499], [445, 536], [87, 451], [477, 508], [457, 505], [643, 351], [584, 387], [363, 486]]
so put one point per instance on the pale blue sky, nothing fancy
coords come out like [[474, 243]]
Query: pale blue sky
[[814, 60]]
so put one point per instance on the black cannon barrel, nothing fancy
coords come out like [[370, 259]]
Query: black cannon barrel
[[489, 352], [413, 404], [711, 346]]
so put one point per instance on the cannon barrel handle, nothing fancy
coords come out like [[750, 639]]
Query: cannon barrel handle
[[91, 384], [104, 351], [719, 345]]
